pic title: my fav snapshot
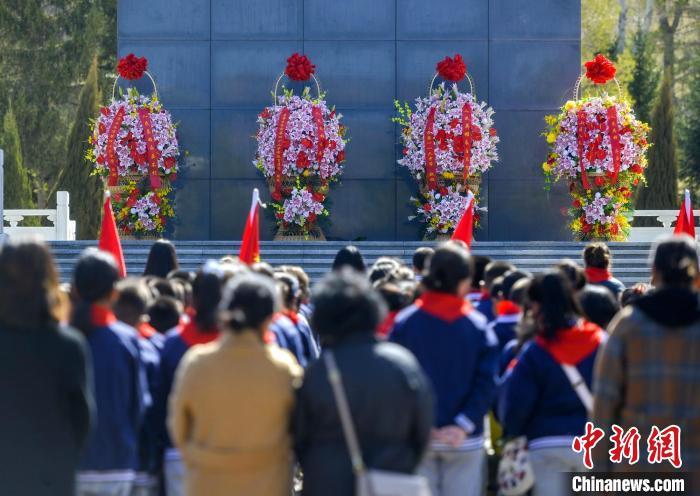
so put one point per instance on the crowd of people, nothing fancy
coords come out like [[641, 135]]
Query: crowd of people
[[212, 383]]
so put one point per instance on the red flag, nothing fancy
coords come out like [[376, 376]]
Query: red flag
[[109, 236], [250, 246], [465, 228], [685, 223]]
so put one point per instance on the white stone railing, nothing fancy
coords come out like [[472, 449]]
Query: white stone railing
[[665, 217], [63, 228]]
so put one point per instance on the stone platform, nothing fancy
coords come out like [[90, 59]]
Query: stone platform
[[630, 259]]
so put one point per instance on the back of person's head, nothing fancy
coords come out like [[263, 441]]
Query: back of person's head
[[675, 262], [183, 291], [232, 268], [349, 256], [132, 301], [161, 287], [182, 275], [597, 255], [573, 272], [263, 268], [400, 274], [518, 293], [598, 304], [164, 314], [630, 295], [302, 278], [162, 259], [450, 266], [496, 269], [509, 280], [345, 304], [396, 297], [248, 303], [30, 297], [288, 289], [480, 262], [382, 268], [94, 277], [206, 296], [552, 301], [496, 288], [421, 257]]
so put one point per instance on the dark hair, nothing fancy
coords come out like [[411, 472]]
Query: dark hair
[[345, 304], [496, 287], [598, 305], [181, 275], [509, 281], [449, 266], [382, 268], [518, 293], [302, 278], [161, 287], [248, 301], [597, 255], [421, 257], [349, 256], [558, 307], [94, 277], [162, 259], [132, 301], [206, 296], [675, 261], [479, 262], [630, 295], [496, 269], [29, 291], [164, 314], [288, 290], [573, 272], [395, 296]]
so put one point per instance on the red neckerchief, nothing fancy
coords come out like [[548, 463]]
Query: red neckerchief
[[595, 275], [269, 337], [146, 331], [507, 307], [191, 334], [291, 315], [570, 346], [485, 295], [444, 306], [101, 316], [387, 324]]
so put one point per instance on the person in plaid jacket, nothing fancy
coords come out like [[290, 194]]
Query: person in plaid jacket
[[647, 372]]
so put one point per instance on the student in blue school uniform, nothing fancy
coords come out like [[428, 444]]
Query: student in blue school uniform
[[459, 355]]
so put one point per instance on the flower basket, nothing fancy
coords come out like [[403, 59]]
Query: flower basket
[[135, 149], [312, 233], [599, 147], [300, 152], [449, 142]]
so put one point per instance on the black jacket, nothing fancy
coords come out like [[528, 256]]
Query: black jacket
[[391, 405], [46, 410]]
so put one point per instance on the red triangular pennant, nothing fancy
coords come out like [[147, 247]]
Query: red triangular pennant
[[685, 223], [465, 228], [250, 245], [109, 236]]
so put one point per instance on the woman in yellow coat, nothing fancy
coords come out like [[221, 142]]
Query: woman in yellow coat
[[232, 400]]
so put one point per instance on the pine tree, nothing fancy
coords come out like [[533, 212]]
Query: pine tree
[[85, 190], [645, 76], [690, 130], [18, 187], [662, 173]]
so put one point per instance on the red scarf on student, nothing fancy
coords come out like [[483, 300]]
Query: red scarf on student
[[570, 346], [293, 316], [444, 306], [507, 307], [102, 316], [387, 324], [595, 275], [191, 334], [146, 331]]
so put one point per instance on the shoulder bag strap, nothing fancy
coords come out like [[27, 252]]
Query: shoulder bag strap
[[579, 385], [341, 402]]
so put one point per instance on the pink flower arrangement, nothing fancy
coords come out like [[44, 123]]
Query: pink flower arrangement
[[440, 211], [301, 207]]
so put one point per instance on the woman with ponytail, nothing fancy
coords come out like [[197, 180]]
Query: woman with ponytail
[[202, 328], [546, 391], [647, 372], [110, 461], [460, 356], [232, 400]]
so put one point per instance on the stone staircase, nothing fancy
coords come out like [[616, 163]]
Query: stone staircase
[[630, 259]]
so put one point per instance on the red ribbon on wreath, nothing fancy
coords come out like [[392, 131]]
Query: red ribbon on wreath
[[152, 152], [467, 133], [614, 134], [429, 146], [112, 159], [320, 132], [279, 148], [580, 135]]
